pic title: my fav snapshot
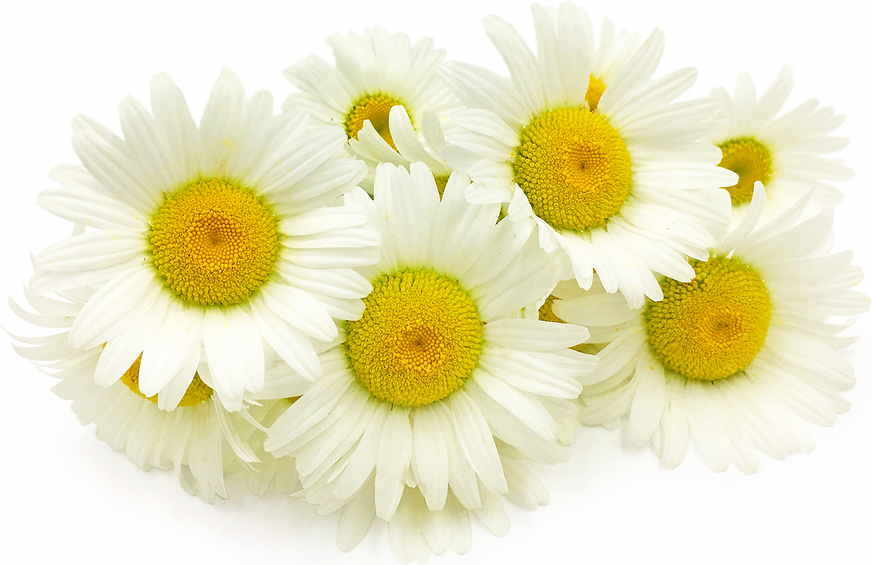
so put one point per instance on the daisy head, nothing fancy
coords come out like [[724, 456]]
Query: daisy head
[[386, 95], [440, 373], [787, 152], [739, 356], [222, 244], [581, 139], [199, 439]]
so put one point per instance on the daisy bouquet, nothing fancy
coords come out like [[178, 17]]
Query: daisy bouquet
[[402, 294]]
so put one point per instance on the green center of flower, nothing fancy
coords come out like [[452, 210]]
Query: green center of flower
[[713, 326], [214, 242], [418, 340], [197, 392], [377, 109], [749, 159], [574, 168]]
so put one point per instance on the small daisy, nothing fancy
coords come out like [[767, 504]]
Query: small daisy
[[440, 369], [385, 93], [738, 357], [417, 531], [199, 439], [785, 153], [585, 143], [211, 244]]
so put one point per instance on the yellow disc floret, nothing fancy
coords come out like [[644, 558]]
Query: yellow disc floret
[[418, 340], [749, 159], [214, 242], [713, 326], [546, 311], [377, 109], [595, 89], [441, 183], [574, 168], [197, 392]]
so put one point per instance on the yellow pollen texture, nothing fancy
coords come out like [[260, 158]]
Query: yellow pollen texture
[[749, 159], [546, 311], [574, 168], [418, 340], [214, 242], [377, 109], [441, 183], [197, 392], [713, 326], [595, 89]]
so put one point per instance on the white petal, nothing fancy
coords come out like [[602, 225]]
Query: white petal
[[393, 459]]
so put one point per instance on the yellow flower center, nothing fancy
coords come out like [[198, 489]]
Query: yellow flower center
[[214, 242], [377, 109], [441, 183], [595, 89], [749, 159], [197, 392], [713, 326], [418, 340], [546, 311], [574, 168]]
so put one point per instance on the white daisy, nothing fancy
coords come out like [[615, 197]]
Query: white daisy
[[621, 182], [385, 93], [215, 239], [199, 439], [786, 153], [736, 358], [439, 368], [416, 530]]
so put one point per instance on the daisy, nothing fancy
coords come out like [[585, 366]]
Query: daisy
[[386, 95], [416, 530], [440, 369], [584, 142], [786, 153], [218, 244], [199, 439], [738, 357]]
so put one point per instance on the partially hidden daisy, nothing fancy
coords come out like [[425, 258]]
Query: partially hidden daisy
[[738, 357], [788, 153], [385, 93], [440, 376], [220, 244], [199, 439], [582, 140]]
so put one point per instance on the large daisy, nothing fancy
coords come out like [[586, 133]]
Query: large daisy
[[738, 357], [787, 153], [213, 244], [386, 95], [440, 369], [617, 175], [199, 439]]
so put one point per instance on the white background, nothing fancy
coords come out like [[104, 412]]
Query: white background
[[66, 495]]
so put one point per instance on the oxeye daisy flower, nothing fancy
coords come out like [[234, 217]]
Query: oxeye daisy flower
[[416, 530], [386, 95], [440, 371], [785, 152], [738, 357], [217, 244], [616, 174], [199, 439]]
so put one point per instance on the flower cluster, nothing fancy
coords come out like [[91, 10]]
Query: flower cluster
[[412, 285]]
